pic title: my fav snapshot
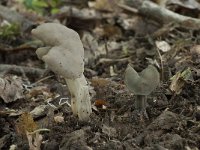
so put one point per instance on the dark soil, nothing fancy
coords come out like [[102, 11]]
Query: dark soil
[[174, 118]]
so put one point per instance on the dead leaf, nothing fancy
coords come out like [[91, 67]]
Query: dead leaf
[[39, 111], [111, 132], [112, 72], [190, 4], [34, 140], [186, 74], [110, 46], [10, 112], [163, 46], [108, 31], [83, 14], [38, 90], [13, 147], [38, 93], [161, 3], [4, 140], [177, 84], [11, 88], [179, 80], [139, 25], [99, 82], [195, 49], [26, 123], [100, 103], [90, 46], [59, 119], [104, 5]]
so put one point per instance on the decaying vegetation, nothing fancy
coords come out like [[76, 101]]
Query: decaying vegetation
[[159, 41]]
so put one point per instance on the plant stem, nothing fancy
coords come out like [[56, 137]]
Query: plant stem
[[141, 102]]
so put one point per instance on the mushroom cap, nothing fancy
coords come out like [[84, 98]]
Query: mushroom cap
[[142, 83], [42, 51], [64, 63], [64, 53]]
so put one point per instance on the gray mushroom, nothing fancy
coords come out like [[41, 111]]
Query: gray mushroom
[[142, 84], [64, 55]]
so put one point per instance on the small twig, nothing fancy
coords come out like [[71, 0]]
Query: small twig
[[50, 104], [109, 60], [128, 8], [43, 79], [106, 47], [20, 48], [161, 64], [38, 130], [18, 69]]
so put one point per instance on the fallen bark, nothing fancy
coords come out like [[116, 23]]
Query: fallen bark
[[163, 15]]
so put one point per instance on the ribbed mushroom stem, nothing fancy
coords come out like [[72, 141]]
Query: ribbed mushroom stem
[[141, 102], [80, 98]]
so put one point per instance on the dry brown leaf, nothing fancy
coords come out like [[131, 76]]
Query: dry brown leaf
[[39, 111], [177, 84], [110, 131], [179, 80], [100, 103], [11, 88], [90, 45], [38, 93], [195, 49], [39, 90], [104, 5], [99, 82], [59, 119], [26, 123], [108, 31]]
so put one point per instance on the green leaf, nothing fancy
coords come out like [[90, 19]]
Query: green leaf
[[54, 11], [9, 31], [186, 74], [28, 3], [53, 3], [39, 3]]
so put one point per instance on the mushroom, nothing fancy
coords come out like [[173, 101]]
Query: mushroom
[[64, 55], [142, 84]]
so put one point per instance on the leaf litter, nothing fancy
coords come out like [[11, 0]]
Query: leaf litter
[[113, 37]]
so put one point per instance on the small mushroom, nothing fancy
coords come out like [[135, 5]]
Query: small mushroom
[[142, 84], [64, 55]]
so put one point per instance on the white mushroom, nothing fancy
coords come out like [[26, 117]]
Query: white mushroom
[[64, 55]]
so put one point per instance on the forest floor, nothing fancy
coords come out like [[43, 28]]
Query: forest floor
[[33, 97]]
